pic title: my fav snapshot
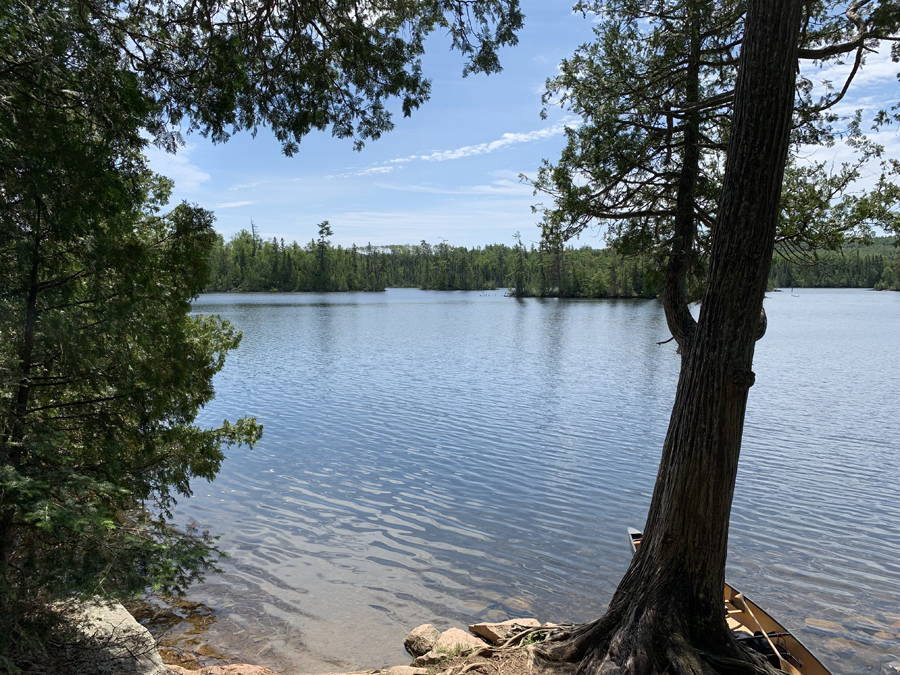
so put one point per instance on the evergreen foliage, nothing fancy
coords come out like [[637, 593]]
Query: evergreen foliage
[[656, 89], [220, 67], [539, 271], [574, 272], [876, 266], [103, 370]]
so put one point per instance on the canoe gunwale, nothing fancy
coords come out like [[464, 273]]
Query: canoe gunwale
[[810, 664]]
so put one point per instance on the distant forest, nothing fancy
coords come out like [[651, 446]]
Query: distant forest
[[249, 263], [876, 265]]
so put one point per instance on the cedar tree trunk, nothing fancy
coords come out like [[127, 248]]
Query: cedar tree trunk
[[667, 613]]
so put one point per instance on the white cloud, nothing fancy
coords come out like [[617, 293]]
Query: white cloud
[[841, 153], [871, 88], [483, 148], [430, 189], [248, 186], [878, 69], [499, 187], [188, 177], [506, 140], [232, 205], [372, 170], [506, 187]]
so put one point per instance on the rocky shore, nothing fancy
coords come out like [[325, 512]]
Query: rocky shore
[[119, 645], [125, 647]]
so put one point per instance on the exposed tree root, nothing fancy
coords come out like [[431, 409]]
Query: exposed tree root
[[630, 641], [601, 648], [651, 645]]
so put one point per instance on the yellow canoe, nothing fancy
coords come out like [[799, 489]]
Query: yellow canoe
[[756, 629]]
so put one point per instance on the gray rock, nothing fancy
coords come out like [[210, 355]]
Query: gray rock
[[421, 639], [119, 645], [457, 641], [500, 632], [406, 670], [428, 659]]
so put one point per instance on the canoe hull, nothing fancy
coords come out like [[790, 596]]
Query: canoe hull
[[745, 618]]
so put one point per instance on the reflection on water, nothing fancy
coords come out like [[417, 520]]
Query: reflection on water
[[453, 457]]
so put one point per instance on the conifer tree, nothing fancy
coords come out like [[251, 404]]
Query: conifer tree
[[656, 91], [102, 367]]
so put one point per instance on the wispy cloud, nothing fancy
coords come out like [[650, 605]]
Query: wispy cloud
[[499, 187], [504, 187], [429, 189], [372, 170], [505, 141], [872, 88], [248, 186], [878, 69], [188, 177], [232, 205]]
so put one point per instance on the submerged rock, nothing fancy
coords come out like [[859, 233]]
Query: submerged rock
[[824, 624]]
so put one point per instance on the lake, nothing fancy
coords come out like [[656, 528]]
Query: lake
[[452, 457]]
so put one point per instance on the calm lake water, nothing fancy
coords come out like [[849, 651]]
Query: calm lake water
[[434, 457]]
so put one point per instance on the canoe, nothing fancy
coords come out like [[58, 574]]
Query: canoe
[[748, 621]]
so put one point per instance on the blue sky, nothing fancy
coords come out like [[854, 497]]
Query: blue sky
[[448, 172]]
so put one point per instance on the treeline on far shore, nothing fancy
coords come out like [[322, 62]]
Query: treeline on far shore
[[249, 263], [876, 265]]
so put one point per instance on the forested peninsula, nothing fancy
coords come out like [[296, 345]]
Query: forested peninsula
[[248, 262]]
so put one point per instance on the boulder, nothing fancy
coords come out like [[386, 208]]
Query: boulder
[[421, 639], [117, 643], [497, 633], [456, 641]]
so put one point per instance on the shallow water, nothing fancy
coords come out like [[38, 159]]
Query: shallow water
[[445, 458]]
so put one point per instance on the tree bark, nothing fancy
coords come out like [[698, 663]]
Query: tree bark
[[684, 224], [16, 431], [11, 438], [666, 615]]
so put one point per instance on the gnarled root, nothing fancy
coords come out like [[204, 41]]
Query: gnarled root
[[647, 645]]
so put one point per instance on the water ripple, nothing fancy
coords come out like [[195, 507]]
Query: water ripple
[[452, 457]]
